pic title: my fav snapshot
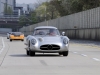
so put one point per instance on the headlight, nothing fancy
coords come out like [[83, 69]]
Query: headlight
[[65, 41], [33, 41], [27, 38]]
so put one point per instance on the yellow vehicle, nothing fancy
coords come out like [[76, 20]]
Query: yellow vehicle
[[16, 36]]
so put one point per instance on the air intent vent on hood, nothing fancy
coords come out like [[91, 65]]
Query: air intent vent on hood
[[50, 47]]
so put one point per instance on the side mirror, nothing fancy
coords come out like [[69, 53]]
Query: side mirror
[[63, 33]]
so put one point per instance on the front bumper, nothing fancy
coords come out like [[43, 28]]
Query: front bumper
[[62, 49], [16, 38]]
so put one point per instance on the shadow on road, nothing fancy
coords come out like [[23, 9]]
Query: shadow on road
[[37, 55], [19, 55]]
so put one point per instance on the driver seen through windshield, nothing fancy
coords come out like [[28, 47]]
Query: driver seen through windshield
[[50, 32]]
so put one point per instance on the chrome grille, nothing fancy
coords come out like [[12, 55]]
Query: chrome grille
[[50, 47]]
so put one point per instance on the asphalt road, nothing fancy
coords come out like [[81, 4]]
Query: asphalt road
[[83, 59]]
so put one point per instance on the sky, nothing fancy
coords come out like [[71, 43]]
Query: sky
[[28, 1]]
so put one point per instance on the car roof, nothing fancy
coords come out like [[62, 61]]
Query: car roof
[[16, 32], [9, 32], [45, 27]]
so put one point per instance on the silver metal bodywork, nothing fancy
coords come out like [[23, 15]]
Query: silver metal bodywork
[[8, 34], [49, 42]]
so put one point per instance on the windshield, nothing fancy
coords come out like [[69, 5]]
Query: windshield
[[16, 33], [10, 32], [46, 31]]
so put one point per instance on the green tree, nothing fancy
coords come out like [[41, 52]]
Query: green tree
[[7, 10], [58, 6], [30, 19], [46, 11], [66, 7], [89, 4], [52, 11], [40, 12], [22, 20], [34, 17]]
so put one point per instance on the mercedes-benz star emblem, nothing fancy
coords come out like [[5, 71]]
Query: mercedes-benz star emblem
[[50, 47]]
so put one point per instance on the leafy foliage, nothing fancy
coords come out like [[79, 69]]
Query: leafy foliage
[[66, 7], [7, 10], [58, 8]]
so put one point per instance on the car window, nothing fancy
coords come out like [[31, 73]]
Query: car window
[[9, 32], [46, 31], [16, 33]]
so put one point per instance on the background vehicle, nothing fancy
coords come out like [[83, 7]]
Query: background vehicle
[[43, 41], [8, 35], [16, 36]]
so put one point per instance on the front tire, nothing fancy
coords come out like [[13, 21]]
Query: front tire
[[27, 52], [31, 53], [22, 40], [65, 53], [60, 53], [10, 40]]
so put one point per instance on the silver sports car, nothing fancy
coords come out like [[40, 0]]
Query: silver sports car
[[47, 39]]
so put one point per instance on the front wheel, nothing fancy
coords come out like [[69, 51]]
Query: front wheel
[[31, 53], [22, 40], [60, 53], [27, 52], [10, 40], [65, 53]]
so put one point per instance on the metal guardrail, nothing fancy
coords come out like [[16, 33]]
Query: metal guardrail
[[10, 16], [9, 19]]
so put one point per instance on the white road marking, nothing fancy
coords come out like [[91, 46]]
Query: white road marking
[[75, 52], [96, 59], [84, 55], [3, 46]]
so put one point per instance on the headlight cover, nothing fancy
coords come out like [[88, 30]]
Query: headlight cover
[[33, 41], [65, 41]]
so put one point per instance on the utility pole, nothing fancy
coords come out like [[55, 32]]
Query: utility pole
[[6, 6], [28, 8], [46, 13]]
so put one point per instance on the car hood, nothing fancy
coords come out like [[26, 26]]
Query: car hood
[[49, 39]]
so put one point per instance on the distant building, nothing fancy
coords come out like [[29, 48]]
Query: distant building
[[18, 11], [10, 18], [6, 4]]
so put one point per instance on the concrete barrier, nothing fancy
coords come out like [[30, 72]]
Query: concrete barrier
[[82, 25]]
